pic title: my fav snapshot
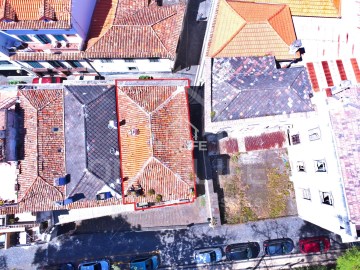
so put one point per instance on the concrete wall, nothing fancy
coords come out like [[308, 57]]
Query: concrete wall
[[82, 11], [140, 65]]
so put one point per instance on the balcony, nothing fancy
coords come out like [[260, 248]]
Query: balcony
[[58, 46]]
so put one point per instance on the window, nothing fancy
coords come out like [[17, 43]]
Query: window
[[154, 60], [57, 64], [326, 198], [59, 37], [320, 165], [75, 64], [132, 68], [295, 139], [314, 134], [129, 60], [5, 63], [43, 39], [105, 60], [306, 194], [35, 64], [24, 38], [300, 166]]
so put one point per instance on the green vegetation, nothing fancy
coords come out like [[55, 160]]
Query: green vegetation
[[158, 198], [240, 211], [145, 77], [151, 191], [279, 188], [350, 260]]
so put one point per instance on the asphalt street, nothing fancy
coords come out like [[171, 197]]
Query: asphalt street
[[175, 247]]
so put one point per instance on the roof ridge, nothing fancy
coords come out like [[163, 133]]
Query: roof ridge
[[136, 103], [292, 88], [234, 35], [166, 101], [131, 181], [276, 13], [162, 44], [39, 178]]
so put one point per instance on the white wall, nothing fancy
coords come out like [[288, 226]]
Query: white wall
[[330, 217], [141, 65], [81, 14]]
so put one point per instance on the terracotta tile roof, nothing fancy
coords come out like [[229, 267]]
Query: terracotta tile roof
[[345, 123], [252, 29], [159, 157], [20, 14], [311, 8], [44, 157], [134, 29]]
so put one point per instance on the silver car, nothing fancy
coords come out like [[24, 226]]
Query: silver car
[[208, 255]]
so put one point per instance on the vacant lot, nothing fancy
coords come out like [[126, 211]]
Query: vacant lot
[[257, 186]]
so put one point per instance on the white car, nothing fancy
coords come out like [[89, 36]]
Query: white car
[[208, 255]]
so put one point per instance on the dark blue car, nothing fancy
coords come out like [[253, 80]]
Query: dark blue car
[[281, 246]]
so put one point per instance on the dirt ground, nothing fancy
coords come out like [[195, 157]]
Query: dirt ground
[[257, 186]]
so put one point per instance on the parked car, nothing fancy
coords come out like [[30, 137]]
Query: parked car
[[314, 244], [89, 78], [208, 255], [242, 251], [96, 265], [278, 246], [48, 80], [148, 263]]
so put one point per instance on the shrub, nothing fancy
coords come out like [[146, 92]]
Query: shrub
[[158, 198], [151, 192]]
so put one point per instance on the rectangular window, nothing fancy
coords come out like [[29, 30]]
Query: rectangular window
[[129, 60], [74, 64], [306, 194], [35, 64], [300, 166], [105, 60], [154, 60], [57, 64], [59, 37], [320, 165], [43, 39], [314, 134], [326, 198], [24, 38], [295, 139], [5, 63], [132, 68]]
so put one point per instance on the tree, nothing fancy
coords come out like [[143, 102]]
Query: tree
[[350, 260]]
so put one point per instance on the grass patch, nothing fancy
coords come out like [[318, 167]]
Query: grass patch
[[279, 188], [240, 210]]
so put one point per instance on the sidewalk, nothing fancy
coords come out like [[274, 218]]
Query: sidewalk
[[171, 216]]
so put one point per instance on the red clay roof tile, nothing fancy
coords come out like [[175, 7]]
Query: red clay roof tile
[[156, 144], [32, 16], [134, 29]]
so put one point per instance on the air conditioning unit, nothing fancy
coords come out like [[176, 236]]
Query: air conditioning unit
[[64, 43]]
